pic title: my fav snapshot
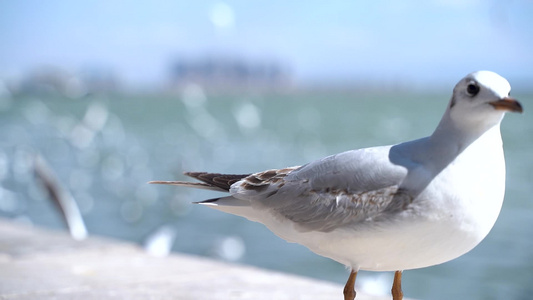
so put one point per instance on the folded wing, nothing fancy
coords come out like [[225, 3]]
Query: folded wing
[[348, 187]]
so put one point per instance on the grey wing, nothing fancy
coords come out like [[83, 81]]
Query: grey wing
[[345, 188]]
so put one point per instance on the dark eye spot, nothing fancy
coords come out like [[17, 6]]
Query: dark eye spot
[[472, 89]]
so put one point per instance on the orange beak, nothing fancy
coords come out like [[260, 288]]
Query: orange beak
[[507, 103]]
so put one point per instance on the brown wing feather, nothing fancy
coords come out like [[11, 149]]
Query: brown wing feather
[[222, 181]]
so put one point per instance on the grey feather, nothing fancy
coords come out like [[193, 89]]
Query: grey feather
[[330, 192]]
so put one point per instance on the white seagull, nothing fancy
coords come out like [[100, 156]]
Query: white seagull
[[388, 208]]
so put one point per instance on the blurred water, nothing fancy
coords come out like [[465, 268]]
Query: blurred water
[[104, 149]]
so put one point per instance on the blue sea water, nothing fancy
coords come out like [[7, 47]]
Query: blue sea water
[[105, 149]]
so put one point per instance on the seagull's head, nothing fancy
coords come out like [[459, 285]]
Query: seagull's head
[[481, 99]]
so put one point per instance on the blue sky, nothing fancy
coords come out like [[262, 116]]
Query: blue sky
[[422, 43]]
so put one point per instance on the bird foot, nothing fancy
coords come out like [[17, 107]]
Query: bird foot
[[396, 290], [349, 290]]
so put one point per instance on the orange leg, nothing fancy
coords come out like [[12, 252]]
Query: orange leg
[[397, 293], [349, 290]]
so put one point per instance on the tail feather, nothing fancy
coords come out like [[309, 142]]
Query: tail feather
[[233, 206], [219, 183], [196, 185], [222, 181], [210, 181], [225, 201]]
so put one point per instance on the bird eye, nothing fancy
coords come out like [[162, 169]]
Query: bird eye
[[472, 89]]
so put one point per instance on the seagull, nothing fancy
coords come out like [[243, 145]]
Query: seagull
[[388, 208]]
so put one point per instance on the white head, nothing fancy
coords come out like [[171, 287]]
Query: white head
[[480, 100]]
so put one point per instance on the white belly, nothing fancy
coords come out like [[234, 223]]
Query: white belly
[[407, 242]]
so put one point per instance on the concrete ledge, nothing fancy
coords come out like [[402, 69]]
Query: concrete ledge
[[42, 264]]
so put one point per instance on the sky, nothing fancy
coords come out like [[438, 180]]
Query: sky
[[420, 43]]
